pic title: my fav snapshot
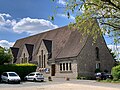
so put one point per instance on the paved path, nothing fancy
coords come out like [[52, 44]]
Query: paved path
[[64, 86], [61, 84]]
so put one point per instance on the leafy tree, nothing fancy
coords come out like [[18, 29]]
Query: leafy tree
[[113, 54], [116, 72], [5, 56], [107, 13]]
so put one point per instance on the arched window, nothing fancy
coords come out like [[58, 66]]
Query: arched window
[[39, 64], [23, 58], [44, 61], [97, 65], [97, 52], [42, 58]]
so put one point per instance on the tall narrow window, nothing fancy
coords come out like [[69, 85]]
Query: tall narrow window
[[67, 66], [97, 65], [70, 66], [60, 66], [63, 66], [44, 61], [42, 58], [22, 61], [97, 52], [24, 58], [39, 61]]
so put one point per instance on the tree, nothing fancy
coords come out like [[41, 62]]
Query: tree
[[113, 54], [107, 13], [5, 56]]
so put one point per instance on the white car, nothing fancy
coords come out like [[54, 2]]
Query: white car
[[34, 76], [10, 77]]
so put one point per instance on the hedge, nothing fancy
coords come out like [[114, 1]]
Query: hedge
[[116, 72], [21, 69]]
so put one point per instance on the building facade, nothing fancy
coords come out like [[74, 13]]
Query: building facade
[[64, 53]]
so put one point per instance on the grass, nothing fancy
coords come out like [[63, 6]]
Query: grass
[[110, 81]]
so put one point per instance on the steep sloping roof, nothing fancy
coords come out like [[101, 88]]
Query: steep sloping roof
[[29, 48], [14, 53], [48, 44], [65, 42]]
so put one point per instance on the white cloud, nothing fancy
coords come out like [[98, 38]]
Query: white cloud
[[5, 24], [33, 26], [65, 16], [6, 44], [28, 25], [4, 14], [63, 2], [115, 49]]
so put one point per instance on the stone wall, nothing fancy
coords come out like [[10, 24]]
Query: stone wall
[[24, 51], [72, 73], [87, 58]]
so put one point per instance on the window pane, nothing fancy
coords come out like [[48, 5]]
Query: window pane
[[31, 74], [12, 74], [40, 61], [60, 66], [97, 65], [70, 66], [44, 61], [42, 58], [97, 52], [26, 60], [64, 66]]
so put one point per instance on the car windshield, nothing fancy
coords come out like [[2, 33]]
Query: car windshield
[[12, 74], [38, 74], [32, 74]]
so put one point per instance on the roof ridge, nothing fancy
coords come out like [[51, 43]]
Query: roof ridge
[[43, 32]]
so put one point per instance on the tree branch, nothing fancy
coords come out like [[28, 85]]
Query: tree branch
[[117, 27], [111, 3]]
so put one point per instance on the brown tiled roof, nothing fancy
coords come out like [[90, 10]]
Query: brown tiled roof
[[14, 53], [30, 50], [48, 44], [65, 42]]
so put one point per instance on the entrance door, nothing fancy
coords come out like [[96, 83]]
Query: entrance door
[[53, 70]]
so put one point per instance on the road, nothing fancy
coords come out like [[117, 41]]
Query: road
[[58, 84]]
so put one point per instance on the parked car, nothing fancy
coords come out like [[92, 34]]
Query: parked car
[[10, 77], [103, 76], [108, 76], [34, 76]]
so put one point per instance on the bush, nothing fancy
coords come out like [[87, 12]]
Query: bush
[[21, 69], [116, 72], [97, 70]]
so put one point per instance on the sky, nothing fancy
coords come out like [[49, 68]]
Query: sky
[[22, 18]]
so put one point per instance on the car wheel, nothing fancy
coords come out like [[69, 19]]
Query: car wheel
[[1, 81], [34, 80], [18, 82], [8, 81], [25, 79], [42, 80]]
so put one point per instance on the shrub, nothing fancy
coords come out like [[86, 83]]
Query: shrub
[[21, 69], [116, 72], [106, 71], [97, 70]]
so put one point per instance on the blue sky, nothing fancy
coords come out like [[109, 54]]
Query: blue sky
[[22, 18]]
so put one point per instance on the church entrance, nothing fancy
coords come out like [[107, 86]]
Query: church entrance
[[53, 70]]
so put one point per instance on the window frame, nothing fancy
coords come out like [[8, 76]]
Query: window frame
[[65, 67]]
